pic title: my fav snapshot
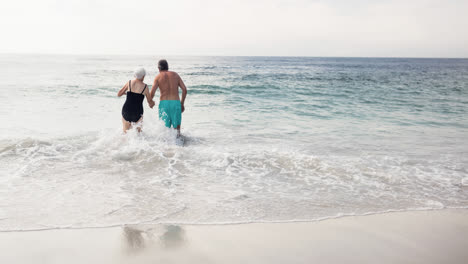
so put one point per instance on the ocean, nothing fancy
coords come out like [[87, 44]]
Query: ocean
[[268, 139]]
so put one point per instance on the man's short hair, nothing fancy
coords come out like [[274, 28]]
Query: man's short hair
[[163, 66]]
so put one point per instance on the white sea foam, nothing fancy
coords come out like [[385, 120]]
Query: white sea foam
[[107, 178], [464, 181]]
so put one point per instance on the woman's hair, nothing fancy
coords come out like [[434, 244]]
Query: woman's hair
[[139, 73]]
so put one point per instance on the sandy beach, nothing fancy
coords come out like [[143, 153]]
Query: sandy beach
[[401, 237]]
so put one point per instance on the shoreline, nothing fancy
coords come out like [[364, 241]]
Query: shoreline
[[429, 236], [326, 218]]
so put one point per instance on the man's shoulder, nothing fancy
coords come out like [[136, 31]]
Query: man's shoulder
[[167, 72]]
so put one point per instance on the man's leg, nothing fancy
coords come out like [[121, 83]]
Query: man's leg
[[163, 115], [177, 118]]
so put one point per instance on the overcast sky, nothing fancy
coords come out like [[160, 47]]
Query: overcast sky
[[380, 28]]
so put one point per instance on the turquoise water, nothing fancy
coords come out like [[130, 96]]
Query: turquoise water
[[268, 139]]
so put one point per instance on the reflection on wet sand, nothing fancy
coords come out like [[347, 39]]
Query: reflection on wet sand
[[168, 236], [173, 237], [134, 238]]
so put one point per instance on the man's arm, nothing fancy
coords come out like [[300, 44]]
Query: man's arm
[[123, 90], [184, 92], [155, 87]]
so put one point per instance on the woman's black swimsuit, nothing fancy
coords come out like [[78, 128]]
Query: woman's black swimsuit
[[132, 110]]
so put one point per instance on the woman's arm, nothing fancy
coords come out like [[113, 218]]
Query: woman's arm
[[123, 90], [150, 101]]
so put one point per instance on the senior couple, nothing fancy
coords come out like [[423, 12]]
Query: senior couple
[[170, 105]]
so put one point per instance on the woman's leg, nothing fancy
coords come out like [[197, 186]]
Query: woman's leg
[[139, 124], [126, 125]]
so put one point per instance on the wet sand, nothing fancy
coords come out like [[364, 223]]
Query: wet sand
[[403, 237]]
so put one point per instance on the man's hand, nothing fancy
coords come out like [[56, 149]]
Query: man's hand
[[151, 104], [183, 107]]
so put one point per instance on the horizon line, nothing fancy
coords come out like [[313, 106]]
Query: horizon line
[[194, 55]]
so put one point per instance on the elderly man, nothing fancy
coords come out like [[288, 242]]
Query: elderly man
[[170, 106]]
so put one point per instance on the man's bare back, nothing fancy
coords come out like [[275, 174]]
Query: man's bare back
[[168, 83]]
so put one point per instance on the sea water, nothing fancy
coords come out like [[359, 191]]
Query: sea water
[[267, 139]]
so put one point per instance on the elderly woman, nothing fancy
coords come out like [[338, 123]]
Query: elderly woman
[[132, 110]]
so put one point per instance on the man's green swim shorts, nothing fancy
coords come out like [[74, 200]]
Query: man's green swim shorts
[[170, 111]]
